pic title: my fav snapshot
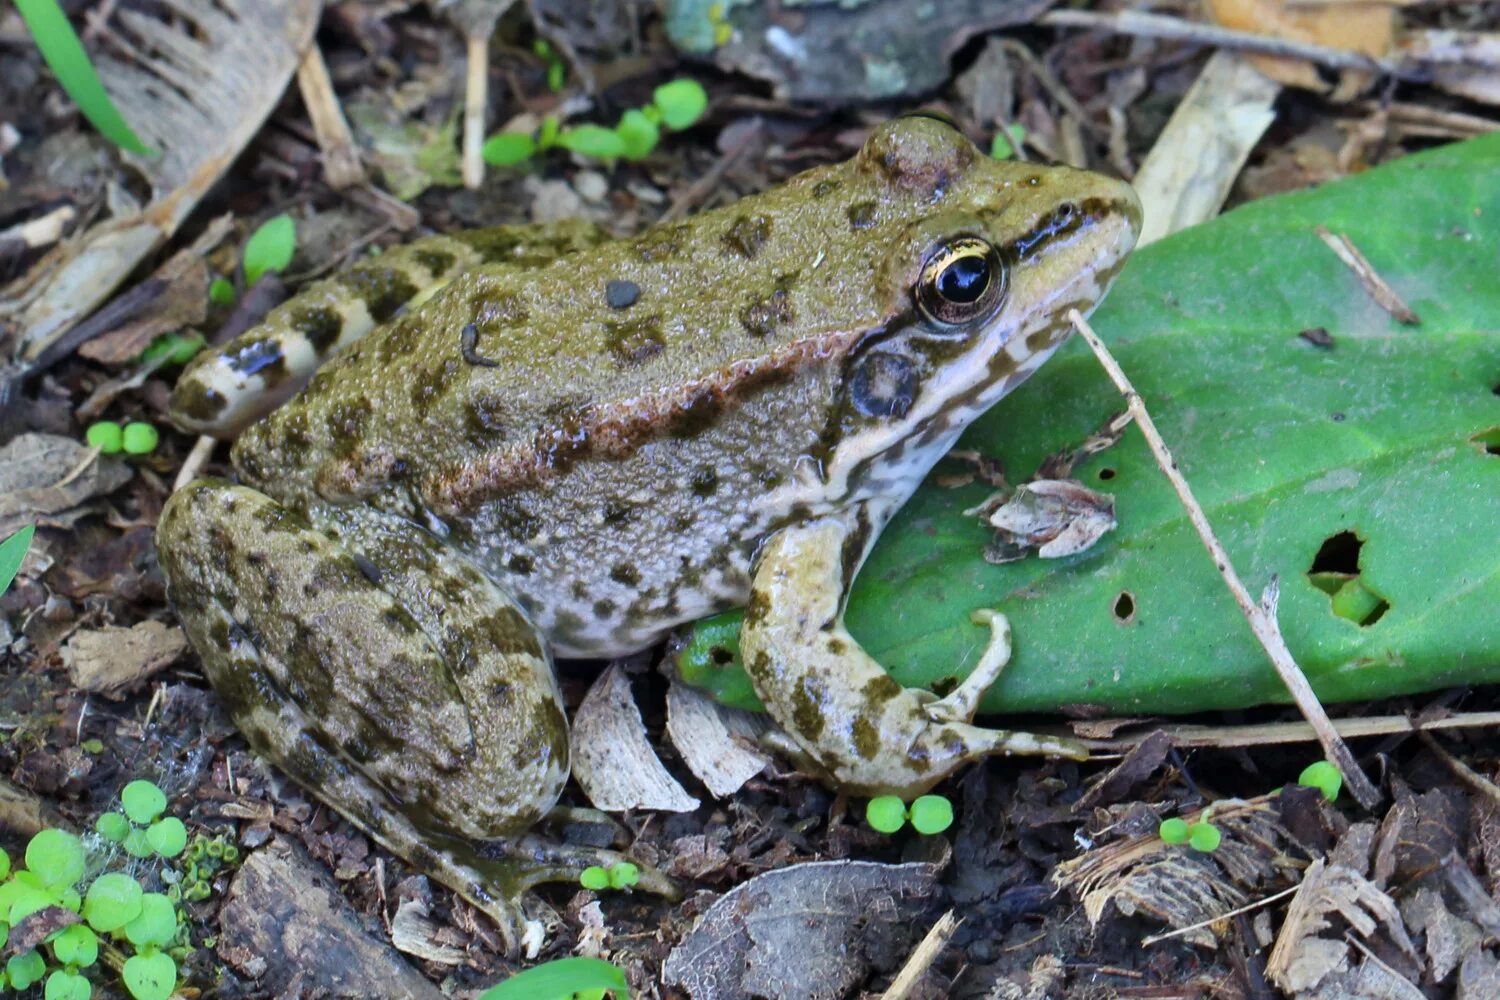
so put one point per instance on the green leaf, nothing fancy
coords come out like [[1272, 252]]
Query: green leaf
[[65, 985], [76, 945], [156, 924], [1286, 444], [559, 979], [221, 292], [139, 438], [65, 56], [885, 813], [55, 857], [150, 976], [1173, 831], [270, 247], [113, 901], [638, 133], [167, 837], [4, 857], [112, 826], [931, 814], [19, 900], [106, 435], [12, 554], [143, 801], [506, 149], [592, 140], [594, 878], [25, 970], [135, 843], [681, 103]]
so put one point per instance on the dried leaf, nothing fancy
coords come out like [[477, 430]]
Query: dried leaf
[[612, 757], [41, 481], [1369, 28]]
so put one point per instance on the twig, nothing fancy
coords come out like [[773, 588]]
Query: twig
[[922, 958], [1465, 773], [1271, 733], [341, 166], [1179, 931], [202, 449], [476, 103], [1262, 617], [1384, 295], [703, 186], [1161, 26]]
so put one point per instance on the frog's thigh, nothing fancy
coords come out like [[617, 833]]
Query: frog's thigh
[[399, 683], [854, 722]]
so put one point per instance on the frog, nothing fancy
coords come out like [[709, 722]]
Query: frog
[[472, 455]]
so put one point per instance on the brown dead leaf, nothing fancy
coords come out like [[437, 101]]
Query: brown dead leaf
[[48, 479], [1301, 959], [111, 660], [1369, 28]]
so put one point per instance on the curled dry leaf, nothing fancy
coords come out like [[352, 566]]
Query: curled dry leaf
[[1368, 28], [795, 932], [1301, 959], [1051, 517], [716, 743], [612, 756], [47, 479]]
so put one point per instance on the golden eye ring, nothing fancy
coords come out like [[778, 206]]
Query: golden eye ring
[[963, 280]]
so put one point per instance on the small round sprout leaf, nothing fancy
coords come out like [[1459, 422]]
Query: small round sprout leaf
[[157, 923], [506, 149], [76, 945], [546, 136], [681, 102], [221, 292], [1324, 776], [4, 863], [594, 878], [624, 875], [140, 438], [593, 141], [639, 134], [1204, 837], [1173, 831], [69, 899], [556, 75], [167, 836], [65, 985], [931, 814], [150, 976], [269, 248], [135, 843], [106, 435], [113, 901], [1007, 141], [25, 970], [143, 801], [113, 826], [55, 857], [886, 813], [23, 900]]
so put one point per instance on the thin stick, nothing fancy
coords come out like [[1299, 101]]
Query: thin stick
[[202, 449], [1384, 295], [476, 103], [1465, 773], [1274, 733], [1161, 26], [341, 166], [922, 958], [1262, 619], [1154, 938]]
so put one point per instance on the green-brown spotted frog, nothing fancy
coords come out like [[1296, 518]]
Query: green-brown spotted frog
[[577, 443]]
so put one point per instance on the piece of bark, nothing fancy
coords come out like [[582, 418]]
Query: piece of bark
[[285, 925], [112, 660]]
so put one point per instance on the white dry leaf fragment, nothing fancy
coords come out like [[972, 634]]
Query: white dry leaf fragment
[[47, 479], [593, 935], [1465, 63], [718, 744], [612, 757], [795, 931], [111, 660], [415, 933], [195, 82], [1051, 517], [1448, 938], [1300, 958]]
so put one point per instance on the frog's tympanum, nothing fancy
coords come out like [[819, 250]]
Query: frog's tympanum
[[575, 444]]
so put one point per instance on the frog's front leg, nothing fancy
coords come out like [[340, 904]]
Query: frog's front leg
[[389, 676], [850, 719]]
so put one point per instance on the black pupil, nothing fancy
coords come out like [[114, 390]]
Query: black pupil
[[965, 279]]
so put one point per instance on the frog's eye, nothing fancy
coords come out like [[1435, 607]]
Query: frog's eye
[[962, 280]]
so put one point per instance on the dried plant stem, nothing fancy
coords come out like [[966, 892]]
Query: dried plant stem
[[922, 958], [341, 166], [1273, 733], [476, 102], [202, 449], [1146, 942], [1262, 617]]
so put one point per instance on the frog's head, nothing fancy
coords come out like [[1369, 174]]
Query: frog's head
[[980, 261]]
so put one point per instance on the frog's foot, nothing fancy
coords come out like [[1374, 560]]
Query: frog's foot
[[858, 726], [385, 673]]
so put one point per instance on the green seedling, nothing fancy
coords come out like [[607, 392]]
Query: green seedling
[[886, 813], [1323, 776], [561, 979], [1204, 837], [177, 348], [930, 814], [597, 878], [1007, 142], [221, 292], [106, 435], [675, 105], [723, 30], [270, 247], [557, 70], [12, 554], [1173, 831], [139, 438], [64, 54]]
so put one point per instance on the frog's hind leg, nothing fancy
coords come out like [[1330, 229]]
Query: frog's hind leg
[[847, 716], [228, 387], [388, 676]]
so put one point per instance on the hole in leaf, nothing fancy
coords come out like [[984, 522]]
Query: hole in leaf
[[1106, 474], [1335, 571], [1488, 441], [1124, 608], [721, 656], [1495, 388]]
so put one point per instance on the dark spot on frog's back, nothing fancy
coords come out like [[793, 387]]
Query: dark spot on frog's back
[[704, 481], [635, 341], [861, 215], [319, 324], [436, 262], [824, 188], [381, 287], [485, 416], [348, 418], [662, 243], [625, 573], [807, 707], [763, 316], [748, 235], [427, 384]]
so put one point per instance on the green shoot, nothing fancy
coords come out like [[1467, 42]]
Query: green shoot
[[681, 103], [1173, 831], [106, 435], [1007, 142], [12, 554], [270, 247], [594, 141], [506, 149], [560, 979], [221, 292], [64, 53], [677, 105], [1324, 776], [931, 814], [139, 438], [1204, 837], [886, 813]]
